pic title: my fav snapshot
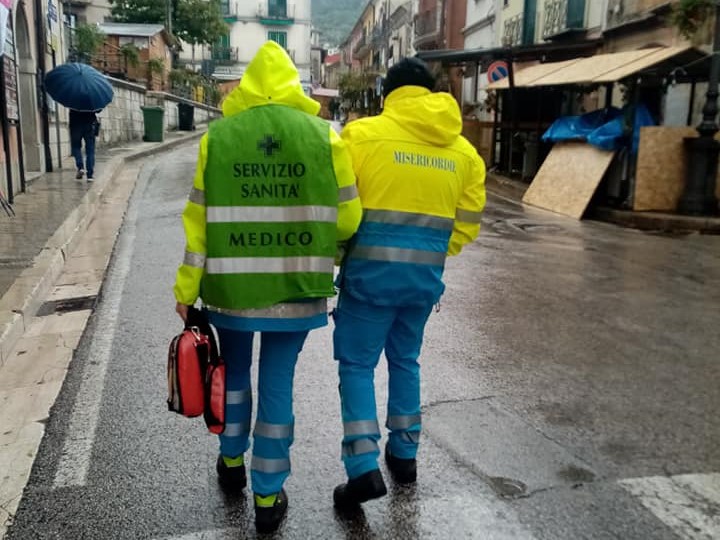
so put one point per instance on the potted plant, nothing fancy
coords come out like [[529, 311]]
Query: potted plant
[[691, 15]]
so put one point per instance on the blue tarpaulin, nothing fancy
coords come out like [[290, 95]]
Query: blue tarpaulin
[[604, 128]]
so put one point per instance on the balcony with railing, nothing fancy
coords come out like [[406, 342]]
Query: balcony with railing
[[229, 10], [224, 56], [427, 27], [513, 32], [362, 47], [276, 13], [563, 18], [379, 35]]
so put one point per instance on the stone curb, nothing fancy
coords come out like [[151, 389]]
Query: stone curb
[[651, 221], [505, 187], [646, 221], [20, 304]]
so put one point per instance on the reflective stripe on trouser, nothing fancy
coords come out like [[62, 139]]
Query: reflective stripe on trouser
[[237, 352], [361, 333], [273, 433]]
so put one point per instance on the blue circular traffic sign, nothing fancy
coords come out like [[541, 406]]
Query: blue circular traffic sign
[[498, 71]]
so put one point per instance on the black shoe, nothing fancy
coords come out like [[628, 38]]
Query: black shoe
[[231, 479], [80, 174], [403, 471], [268, 519], [359, 490]]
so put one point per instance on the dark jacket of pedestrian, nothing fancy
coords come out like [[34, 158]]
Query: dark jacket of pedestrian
[[84, 128]]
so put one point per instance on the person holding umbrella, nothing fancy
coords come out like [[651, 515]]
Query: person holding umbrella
[[83, 127], [85, 91]]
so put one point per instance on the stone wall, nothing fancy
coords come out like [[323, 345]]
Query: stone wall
[[122, 120], [202, 114]]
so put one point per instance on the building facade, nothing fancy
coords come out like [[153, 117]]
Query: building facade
[[528, 22], [153, 45], [400, 29], [480, 32], [252, 23], [34, 136]]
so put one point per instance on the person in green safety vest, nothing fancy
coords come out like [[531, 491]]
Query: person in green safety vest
[[274, 196]]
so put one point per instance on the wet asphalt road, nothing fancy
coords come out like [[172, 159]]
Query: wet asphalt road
[[566, 358]]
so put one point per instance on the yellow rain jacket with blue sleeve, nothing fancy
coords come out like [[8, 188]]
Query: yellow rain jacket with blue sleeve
[[422, 187], [270, 92]]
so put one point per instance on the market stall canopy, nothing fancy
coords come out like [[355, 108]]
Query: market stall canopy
[[684, 62]]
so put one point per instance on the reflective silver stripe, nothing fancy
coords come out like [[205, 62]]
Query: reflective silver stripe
[[196, 260], [238, 397], [412, 437], [271, 214], [403, 422], [466, 216], [348, 193], [295, 310], [273, 431], [393, 254], [361, 427], [270, 466], [408, 218], [361, 446], [197, 196], [269, 265], [236, 430]]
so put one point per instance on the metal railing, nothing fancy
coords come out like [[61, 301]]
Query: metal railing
[[556, 12], [268, 11], [360, 45], [562, 15], [224, 56], [513, 30], [229, 9], [378, 34], [427, 24]]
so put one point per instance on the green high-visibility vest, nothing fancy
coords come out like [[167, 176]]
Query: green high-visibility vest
[[271, 197]]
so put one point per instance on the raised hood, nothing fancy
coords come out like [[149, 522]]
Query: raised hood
[[270, 79], [431, 117]]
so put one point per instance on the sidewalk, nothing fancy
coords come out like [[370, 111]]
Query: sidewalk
[[49, 220], [647, 221]]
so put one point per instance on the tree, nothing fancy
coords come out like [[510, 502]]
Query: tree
[[199, 22], [139, 11], [131, 54], [87, 40]]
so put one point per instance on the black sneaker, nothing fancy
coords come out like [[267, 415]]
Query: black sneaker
[[232, 479], [80, 174], [359, 490], [403, 471], [268, 518]]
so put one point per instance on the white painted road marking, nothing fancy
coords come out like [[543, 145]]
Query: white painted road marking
[[77, 451], [688, 504]]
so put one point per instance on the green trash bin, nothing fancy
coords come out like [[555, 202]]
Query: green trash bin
[[154, 119]]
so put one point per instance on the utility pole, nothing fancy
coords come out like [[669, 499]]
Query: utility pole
[[703, 151], [168, 16]]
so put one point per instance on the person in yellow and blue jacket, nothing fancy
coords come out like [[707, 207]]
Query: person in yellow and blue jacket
[[422, 187], [273, 196]]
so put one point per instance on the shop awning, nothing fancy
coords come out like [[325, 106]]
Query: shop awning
[[524, 53], [687, 62]]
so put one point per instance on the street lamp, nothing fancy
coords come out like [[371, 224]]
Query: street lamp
[[703, 151]]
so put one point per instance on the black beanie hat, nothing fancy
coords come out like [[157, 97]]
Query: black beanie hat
[[408, 72]]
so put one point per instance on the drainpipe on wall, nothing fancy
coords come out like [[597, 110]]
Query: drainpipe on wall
[[42, 97]]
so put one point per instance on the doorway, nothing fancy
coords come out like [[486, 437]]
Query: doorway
[[27, 93]]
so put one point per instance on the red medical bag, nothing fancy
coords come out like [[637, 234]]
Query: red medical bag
[[196, 376]]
